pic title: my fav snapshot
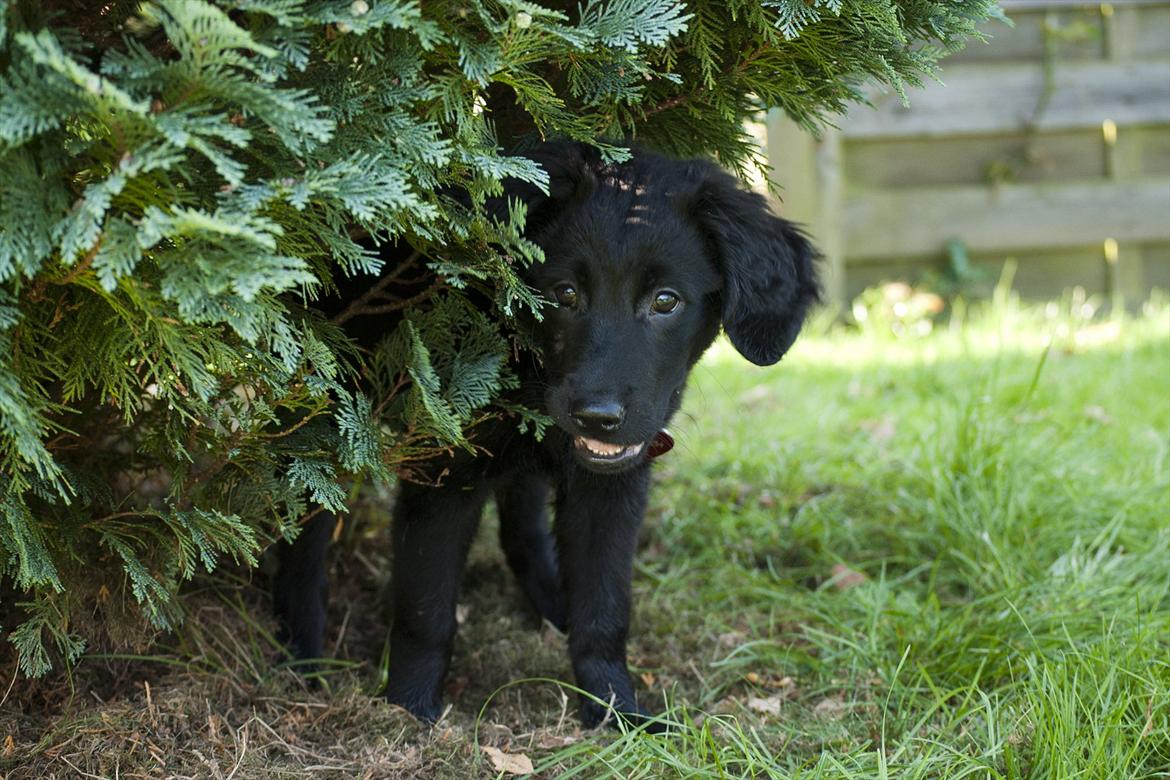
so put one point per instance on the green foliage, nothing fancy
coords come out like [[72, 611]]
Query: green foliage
[[179, 178]]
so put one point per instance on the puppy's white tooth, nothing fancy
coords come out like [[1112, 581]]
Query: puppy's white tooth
[[597, 447]]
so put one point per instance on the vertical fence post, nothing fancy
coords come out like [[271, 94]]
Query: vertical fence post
[[1124, 266], [808, 173]]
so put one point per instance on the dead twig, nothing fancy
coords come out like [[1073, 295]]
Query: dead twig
[[354, 310], [377, 292]]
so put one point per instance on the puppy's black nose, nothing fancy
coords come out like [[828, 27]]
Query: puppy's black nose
[[593, 416]]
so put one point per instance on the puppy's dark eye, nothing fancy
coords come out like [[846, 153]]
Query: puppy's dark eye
[[664, 302], [566, 295]]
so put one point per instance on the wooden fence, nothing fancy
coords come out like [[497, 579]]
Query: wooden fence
[[1049, 145]]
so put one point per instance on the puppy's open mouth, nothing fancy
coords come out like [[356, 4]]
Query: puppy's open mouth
[[605, 454]]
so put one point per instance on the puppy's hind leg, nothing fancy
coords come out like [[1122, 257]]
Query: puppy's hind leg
[[300, 588], [433, 529], [528, 545]]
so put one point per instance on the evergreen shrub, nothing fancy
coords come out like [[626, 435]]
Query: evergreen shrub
[[180, 180]]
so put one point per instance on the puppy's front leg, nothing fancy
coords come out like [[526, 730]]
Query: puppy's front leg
[[597, 523], [433, 529], [300, 589]]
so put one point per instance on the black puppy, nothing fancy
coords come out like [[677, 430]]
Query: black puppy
[[645, 260]]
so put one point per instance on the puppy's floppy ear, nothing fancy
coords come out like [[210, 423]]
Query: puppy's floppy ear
[[571, 178], [768, 264]]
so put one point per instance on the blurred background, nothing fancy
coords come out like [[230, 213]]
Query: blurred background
[[1048, 148]]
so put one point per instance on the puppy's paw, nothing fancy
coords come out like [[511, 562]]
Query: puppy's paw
[[551, 605], [305, 645], [424, 706], [542, 586], [619, 714]]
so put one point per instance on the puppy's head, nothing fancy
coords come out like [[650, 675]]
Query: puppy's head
[[644, 261]]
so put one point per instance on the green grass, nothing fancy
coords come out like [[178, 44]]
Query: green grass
[[944, 556]]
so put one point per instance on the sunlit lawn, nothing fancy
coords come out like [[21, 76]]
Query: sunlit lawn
[[922, 557], [936, 556]]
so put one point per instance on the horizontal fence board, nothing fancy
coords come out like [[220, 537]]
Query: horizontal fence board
[[1156, 264], [963, 160], [883, 223], [1146, 150], [1042, 274], [1139, 32], [1014, 5], [1036, 274], [1028, 37], [1013, 162], [1000, 97]]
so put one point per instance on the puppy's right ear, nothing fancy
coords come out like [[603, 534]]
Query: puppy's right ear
[[571, 179]]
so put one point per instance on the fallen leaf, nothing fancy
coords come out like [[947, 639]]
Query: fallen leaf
[[550, 740], [881, 431], [732, 638], [768, 681], [725, 706], [831, 709], [892, 292], [768, 706], [931, 302], [509, 763], [1098, 334], [455, 686], [648, 678], [754, 395], [1098, 414], [845, 578], [9, 746], [496, 732]]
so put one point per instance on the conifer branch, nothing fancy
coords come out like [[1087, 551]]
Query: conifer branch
[[362, 303]]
